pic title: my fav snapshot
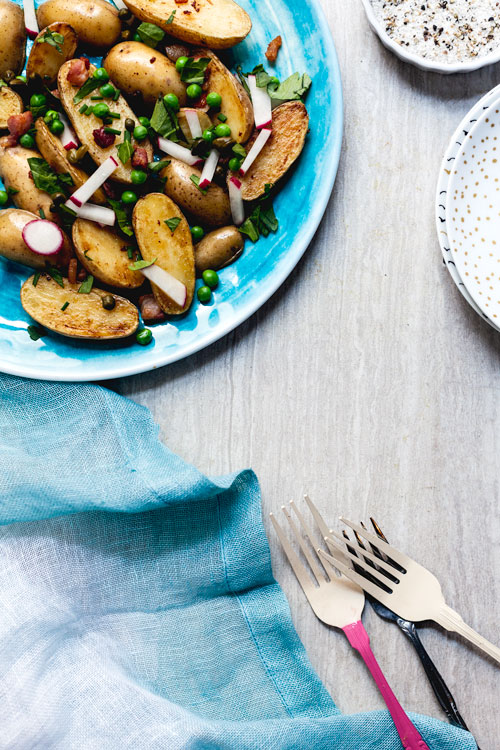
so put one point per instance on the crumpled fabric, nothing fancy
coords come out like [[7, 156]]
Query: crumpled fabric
[[137, 603]]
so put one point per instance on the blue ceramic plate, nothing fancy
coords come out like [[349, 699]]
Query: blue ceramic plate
[[248, 283]]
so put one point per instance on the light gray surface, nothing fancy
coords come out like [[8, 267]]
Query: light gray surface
[[368, 382]]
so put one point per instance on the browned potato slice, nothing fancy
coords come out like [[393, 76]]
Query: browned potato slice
[[205, 121], [211, 208], [56, 155], [15, 172], [100, 251], [95, 21], [10, 104], [84, 126], [13, 247], [218, 249], [136, 68], [173, 251], [12, 37], [236, 104], [45, 60], [84, 317], [215, 23], [290, 126]]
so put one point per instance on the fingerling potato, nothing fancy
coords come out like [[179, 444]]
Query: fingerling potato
[[136, 68], [84, 317], [290, 126], [10, 104], [84, 126], [218, 249], [173, 250], [218, 24], [45, 60], [211, 207], [100, 251], [236, 104], [96, 22], [13, 247], [203, 118], [55, 154], [12, 37], [15, 173]]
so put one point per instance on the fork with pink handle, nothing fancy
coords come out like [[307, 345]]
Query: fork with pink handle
[[339, 602]]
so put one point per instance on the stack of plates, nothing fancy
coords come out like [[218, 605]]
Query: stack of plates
[[468, 207]]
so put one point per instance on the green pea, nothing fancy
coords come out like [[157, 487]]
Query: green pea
[[204, 294], [138, 176], [144, 121], [129, 197], [275, 80], [38, 100], [144, 336], [193, 91], [108, 91], [101, 110], [197, 233], [140, 132], [208, 135], [101, 74], [222, 130], [4, 197], [56, 127], [210, 278], [234, 164], [180, 63], [172, 101], [51, 115], [27, 141], [214, 99], [136, 37]]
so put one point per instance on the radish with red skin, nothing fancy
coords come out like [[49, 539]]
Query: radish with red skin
[[236, 201], [43, 237], [178, 152], [94, 182], [68, 136], [261, 102], [92, 212], [168, 284], [194, 123], [257, 147], [30, 20], [209, 168]]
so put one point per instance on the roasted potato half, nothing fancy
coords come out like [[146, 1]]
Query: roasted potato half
[[55, 154], [136, 68], [45, 59], [203, 118], [10, 104], [13, 247], [12, 37], [218, 249], [96, 22], [211, 207], [217, 24], [236, 104], [84, 126], [15, 173], [84, 317], [100, 251], [290, 126], [173, 251]]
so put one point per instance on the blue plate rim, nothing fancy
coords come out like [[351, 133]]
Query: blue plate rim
[[292, 258]]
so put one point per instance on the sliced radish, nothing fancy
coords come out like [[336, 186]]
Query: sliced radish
[[30, 20], [92, 212], [194, 123], [178, 152], [43, 237], [257, 147], [261, 102], [120, 4], [236, 201], [68, 136], [209, 168], [168, 284], [94, 182]]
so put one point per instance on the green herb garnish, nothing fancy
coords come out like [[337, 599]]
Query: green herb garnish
[[86, 286], [36, 278], [35, 333], [171, 17], [46, 179], [42, 213], [151, 34], [157, 166], [196, 180], [222, 117], [262, 220], [114, 131], [173, 223], [194, 70], [90, 85], [125, 149], [66, 304], [164, 121], [67, 216], [56, 275], [293, 88], [12, 191], [52, 38], [239, 150], [141, 264], [130, 252], [83, 109], [121, 217]]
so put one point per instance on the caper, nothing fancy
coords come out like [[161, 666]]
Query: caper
[[129, 125], [8, 76], [58, 198], [108, 302], [80, 153], [223, 144], [125, 34], [18, 82], [72, 156], [124, 14]]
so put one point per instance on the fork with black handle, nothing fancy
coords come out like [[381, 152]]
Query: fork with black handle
[[439, 686]]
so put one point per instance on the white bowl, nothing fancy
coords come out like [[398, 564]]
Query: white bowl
[[421, 62]]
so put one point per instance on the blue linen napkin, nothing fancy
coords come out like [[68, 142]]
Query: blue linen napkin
[[137, 603]]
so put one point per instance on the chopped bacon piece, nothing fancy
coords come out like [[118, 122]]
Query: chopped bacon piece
[[150, 309], [72, 269], [201, 103], [6, 141], [174, 51], [273, 49], [109, 190], [140, 158], [78, 72], [81, 275], [103, 139], [181, 2], [18, 125]]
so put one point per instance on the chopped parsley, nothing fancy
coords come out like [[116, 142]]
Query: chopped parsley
[[86, 286], [194, 70], [173, 223], [35, 333], [141, 264]]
